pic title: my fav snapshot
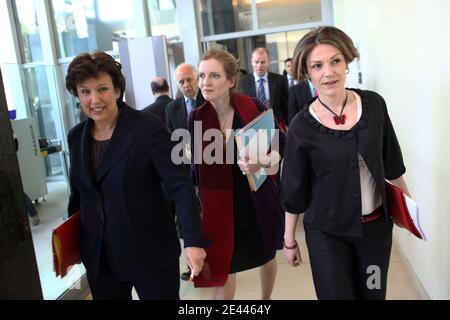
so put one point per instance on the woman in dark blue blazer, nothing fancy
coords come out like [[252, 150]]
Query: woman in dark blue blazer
[[119, 157]]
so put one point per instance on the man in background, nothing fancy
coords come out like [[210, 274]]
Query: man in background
[[160, 90], [270, 88], [178, 110], [288, 69]]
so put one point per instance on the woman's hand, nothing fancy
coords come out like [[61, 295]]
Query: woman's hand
[[250, 166], [195, 258], [291, 252]]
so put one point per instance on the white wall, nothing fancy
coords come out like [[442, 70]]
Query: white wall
[[405, 56]]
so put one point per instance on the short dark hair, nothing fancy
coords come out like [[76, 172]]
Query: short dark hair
[[91, 65], [287, 60], [159, 87], [323, 35]]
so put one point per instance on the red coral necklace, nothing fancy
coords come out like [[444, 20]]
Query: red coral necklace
[[338, 119]]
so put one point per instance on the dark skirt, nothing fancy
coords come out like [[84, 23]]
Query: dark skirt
[[249, 251]]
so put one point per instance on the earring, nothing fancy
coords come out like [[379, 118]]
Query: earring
[[347, 71]]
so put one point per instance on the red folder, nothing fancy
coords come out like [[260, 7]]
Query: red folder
[[399, 210], [66, 245]]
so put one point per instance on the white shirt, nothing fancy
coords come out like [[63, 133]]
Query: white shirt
[[289, 77], [193, 98]]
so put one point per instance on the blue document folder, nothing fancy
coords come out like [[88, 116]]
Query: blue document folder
[[255, 140]]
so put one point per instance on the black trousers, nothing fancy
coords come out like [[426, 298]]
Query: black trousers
[[164, 285], [351, 267]]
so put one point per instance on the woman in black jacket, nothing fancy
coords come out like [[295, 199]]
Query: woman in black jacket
[[119, 156], [339, 151]]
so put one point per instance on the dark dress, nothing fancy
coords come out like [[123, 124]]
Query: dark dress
[[249, 251]]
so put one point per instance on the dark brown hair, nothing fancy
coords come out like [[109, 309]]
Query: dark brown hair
[[91, 65], [228, 62], [323, 35]]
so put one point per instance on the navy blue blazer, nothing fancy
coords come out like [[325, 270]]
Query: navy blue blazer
[[176, 113], [124, 206], [158, 108]]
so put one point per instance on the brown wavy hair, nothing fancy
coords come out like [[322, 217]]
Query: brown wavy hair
[[91, 65], [323, 35]]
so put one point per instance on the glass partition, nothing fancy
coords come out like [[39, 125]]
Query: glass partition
[[39, 108], [287, 12], [281, 46], [86, 25], [43, 102], [225, 16], [32, 91], [163, 15], [29, 30]]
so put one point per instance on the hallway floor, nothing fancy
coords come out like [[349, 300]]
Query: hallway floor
[[291, 283], [296, 283]]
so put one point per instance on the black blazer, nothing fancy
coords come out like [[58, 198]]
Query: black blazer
[[299, 95], [158, 108], [321, 167], [123, 206], [278, 90], [176, 114]]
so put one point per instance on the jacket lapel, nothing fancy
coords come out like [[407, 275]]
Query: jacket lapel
[[120, 142], [181, 114], [252, 85], [272, 90]]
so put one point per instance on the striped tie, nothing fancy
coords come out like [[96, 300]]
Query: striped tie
[[261, 94]]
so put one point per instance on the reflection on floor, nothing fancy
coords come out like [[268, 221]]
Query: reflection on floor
[[291, 283], [51, 213]]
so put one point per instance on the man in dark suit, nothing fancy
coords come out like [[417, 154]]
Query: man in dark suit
[[288, 73], [270, 88], [177, 111], [299, 95], [160, 90]]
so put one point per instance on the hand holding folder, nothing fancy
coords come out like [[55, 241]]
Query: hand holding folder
[[254, 140], [403, 210], [66, 245]]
